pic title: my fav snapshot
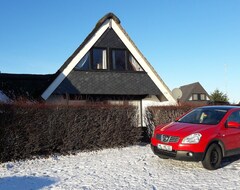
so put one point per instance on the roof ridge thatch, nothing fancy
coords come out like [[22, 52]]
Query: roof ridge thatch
[[106, 17]]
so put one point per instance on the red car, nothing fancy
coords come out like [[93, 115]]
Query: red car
[[205, 134]]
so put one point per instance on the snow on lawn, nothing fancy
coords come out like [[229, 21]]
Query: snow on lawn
[[134, 167]]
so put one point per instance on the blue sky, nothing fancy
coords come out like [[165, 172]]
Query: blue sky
[[185, 41]]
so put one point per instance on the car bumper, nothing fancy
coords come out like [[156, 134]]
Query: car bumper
[[179, 155]]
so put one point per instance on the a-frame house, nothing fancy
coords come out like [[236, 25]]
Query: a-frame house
[[107, 67], [108, 63]]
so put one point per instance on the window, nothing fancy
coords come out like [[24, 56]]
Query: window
[[202, 97], [119, 60], [84, 63], [99, 59], [122, 61], [105, 59], [195, 97], [198, 97], [235, 116], [133, 64]]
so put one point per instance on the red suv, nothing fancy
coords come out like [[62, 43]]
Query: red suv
[[205, 134]]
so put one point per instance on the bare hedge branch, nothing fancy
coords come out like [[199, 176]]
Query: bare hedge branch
[[158, 115]]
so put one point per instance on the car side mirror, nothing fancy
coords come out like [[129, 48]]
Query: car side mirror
[[233, 124]]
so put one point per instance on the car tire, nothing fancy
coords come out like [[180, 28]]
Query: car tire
[[213, 157]]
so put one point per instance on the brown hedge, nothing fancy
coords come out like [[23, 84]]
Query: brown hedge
[[158, 115], [31, 130]]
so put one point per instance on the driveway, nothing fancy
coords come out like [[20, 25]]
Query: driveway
[[132, 167]]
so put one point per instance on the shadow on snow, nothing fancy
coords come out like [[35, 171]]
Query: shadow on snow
[[25, 182], [229, 160]]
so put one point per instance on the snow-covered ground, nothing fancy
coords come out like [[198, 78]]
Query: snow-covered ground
[[132, 167]]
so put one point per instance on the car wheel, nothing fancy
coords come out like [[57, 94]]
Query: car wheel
[[213, 157]]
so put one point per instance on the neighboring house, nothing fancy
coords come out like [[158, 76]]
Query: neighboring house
[[106, 67], [194, 93]]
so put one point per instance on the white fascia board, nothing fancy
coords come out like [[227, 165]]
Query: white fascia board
[[75, 60], [142, 62]]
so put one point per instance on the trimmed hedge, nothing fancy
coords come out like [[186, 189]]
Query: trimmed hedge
[[32, 130], [158, 115]]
